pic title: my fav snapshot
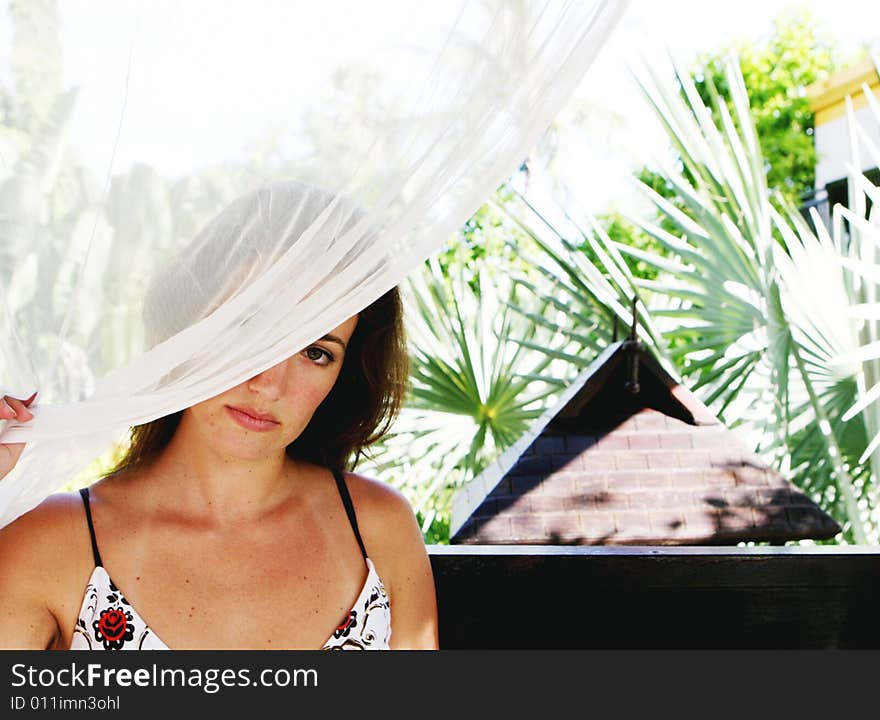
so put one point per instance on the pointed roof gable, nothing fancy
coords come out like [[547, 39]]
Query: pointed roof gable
[[607, 465]]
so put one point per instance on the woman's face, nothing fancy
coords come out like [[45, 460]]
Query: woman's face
[[261, 416]]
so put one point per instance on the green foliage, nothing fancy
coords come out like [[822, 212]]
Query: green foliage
[[477, 379], [776, 75], [435, 515], [480, 237], [761, 299], [488, 242], [621, 230], [774, 326], [476, 383]]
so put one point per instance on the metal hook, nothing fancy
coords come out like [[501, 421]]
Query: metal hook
[[633, 346]]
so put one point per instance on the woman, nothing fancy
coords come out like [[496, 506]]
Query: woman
[[232, 524]]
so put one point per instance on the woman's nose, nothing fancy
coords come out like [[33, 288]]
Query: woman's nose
[[270, 383]]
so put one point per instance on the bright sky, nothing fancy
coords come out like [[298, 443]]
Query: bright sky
[[615, 132]]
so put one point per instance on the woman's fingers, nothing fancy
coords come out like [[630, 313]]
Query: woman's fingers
[[14, 409]]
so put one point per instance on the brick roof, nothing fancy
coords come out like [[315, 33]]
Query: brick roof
[[611, 467]]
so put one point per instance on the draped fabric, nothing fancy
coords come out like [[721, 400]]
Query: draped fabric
[[229, 181]]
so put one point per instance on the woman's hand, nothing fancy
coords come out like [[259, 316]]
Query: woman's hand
[[29, 574], [13, 409]]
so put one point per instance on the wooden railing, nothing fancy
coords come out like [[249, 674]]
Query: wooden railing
[[526, 597]]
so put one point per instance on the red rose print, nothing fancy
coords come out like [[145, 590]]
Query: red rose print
[[113, 628], [112, 624]]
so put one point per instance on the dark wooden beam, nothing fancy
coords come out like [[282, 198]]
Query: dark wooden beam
[[548, 597]]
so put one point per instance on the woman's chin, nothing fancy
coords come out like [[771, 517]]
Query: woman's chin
[[226, 438], [248, 449]]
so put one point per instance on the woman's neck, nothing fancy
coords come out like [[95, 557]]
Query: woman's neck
[[220, 489]]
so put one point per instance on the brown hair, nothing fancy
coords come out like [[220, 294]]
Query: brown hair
[[357, 412]]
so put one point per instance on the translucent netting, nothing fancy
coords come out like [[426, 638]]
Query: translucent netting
[[244, 177]]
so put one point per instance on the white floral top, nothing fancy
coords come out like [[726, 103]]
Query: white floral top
[[107, 621]]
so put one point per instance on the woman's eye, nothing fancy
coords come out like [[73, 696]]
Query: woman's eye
[[319, 355]]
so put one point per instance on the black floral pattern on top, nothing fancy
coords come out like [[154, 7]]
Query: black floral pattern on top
[[116, 625], [374, 631], [345, 628], [115, 596]]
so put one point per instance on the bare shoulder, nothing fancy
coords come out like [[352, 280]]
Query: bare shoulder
[[43, 558], [39, 534], [49, 542], [380, 502], [394, 542], [385, 517]]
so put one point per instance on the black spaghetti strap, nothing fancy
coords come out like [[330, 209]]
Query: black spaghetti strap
[[349, 509], [84, 492]]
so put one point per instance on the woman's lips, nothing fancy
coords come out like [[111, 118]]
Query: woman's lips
[[258, 422]]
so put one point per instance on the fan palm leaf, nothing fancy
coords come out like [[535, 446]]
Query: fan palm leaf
[[773, 323], [476, 382]]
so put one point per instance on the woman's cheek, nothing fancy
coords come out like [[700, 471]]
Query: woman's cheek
[[309, 399], [314, 397]]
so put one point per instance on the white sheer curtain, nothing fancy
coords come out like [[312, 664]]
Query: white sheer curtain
[[219, 184]]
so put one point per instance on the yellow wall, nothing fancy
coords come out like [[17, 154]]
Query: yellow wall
[[828, 97]]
